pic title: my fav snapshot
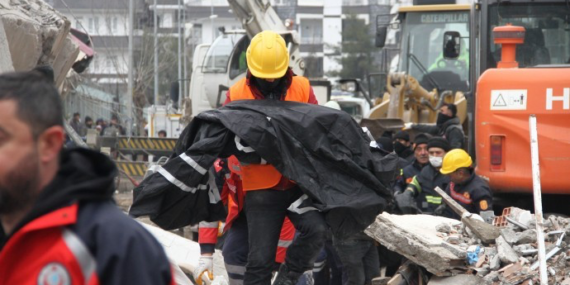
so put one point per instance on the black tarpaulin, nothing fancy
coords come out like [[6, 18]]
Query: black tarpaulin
[[323, 150]]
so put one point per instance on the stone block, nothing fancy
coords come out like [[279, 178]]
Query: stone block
[[416, 238]]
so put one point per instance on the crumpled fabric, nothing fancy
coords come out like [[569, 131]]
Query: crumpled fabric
[[323, 150]]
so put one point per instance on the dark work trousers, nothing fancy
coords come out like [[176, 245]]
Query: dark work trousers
[[359, 259], [235, 250], [265, 211], [331, 272]]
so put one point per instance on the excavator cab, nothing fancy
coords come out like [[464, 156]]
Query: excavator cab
[[434, 66]]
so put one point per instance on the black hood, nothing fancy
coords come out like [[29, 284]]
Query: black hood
[[83, 175]]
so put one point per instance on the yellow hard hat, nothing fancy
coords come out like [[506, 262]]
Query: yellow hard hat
[[267, 55], [455, 159]]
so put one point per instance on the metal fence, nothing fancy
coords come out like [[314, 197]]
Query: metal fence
[[91, 102]]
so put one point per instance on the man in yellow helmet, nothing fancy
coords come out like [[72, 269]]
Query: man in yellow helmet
[[269, 196], [466, 188]]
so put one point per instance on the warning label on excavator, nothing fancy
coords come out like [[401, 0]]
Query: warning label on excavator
[[508, 99]]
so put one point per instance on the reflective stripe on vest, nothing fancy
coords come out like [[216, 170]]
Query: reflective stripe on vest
[[433, 199], [81, 253], [256, 176]]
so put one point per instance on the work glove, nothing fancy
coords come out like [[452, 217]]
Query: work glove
[[406, 202], [407, 126], [205, 265]]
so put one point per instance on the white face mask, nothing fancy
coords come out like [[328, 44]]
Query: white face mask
[[435, 161]]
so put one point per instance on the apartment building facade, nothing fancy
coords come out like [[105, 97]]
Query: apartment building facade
[[319, 23]]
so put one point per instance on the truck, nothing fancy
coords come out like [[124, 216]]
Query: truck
[[217, 66], [449, 54]]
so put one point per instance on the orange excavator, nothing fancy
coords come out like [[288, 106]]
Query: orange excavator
[[513, 72], [531, 77]]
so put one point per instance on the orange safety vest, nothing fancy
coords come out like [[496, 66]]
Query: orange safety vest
[[265, 176]]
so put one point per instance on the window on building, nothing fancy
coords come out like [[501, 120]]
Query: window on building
[[167, 20], [94, 66], [111, 24], [93, 26], [79, 23], [311, 31], [115, 25], [110, 63], [353, 2]]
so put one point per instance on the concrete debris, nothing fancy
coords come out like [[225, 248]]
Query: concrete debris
[[443, 228], [416, 238], [528, 236], [33, 33], [441, 247], [509, 235], [463, 279], [506, 253]]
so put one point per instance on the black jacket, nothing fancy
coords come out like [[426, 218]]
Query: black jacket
[[123, 251], [407, 174], [424, 183], [473, 194], [323, 150], [407, 155], [451, 130]]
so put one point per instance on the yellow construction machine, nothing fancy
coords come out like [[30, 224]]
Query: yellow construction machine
[[433, 66]]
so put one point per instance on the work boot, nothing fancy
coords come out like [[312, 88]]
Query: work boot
[[286, 277]]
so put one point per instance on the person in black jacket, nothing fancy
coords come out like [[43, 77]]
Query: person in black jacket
[[447, 126], [421, 159], [421, 189], [402, 146], [59, 222], [466, 188]]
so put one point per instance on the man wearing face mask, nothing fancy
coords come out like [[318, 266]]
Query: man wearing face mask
[[466, 188], [269, 196], [447, 126], [421, 159], [402, 147], [423, 185]]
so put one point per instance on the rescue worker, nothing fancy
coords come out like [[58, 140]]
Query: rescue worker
[[421, 189], [447, 126], [402, 146], [235, 247], [270, 196], [466, 188], [59, 222], [421, 159]]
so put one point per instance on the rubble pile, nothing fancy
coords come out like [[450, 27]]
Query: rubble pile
[[446, 247]]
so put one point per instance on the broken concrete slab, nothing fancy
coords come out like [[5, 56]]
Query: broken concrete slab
[[495, 262], [415, 237], [463, 279], [506, 253], [528, 236], [35, 34], [509, 235]]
